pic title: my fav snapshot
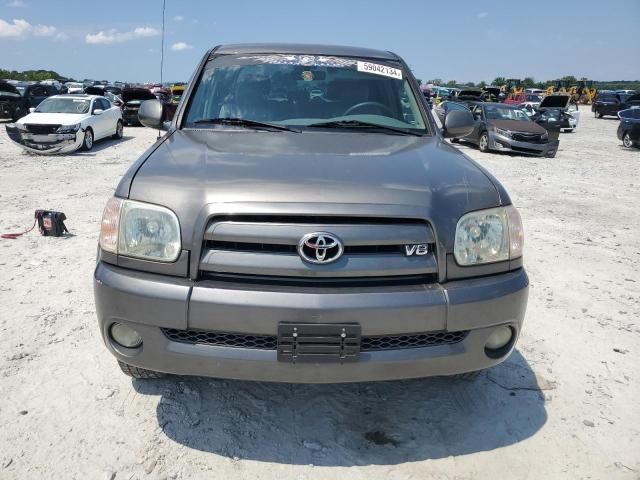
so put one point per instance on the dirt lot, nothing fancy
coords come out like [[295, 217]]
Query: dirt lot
[[565, 405]]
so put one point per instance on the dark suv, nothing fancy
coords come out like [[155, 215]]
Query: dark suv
[[610, 103], [303, 220]]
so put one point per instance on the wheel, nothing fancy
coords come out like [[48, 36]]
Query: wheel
[[87, 143], [569, 130], [17, 115], [455, 140], [119, 130], [137, 372], [483, 144], [599, 114], [626, 140]]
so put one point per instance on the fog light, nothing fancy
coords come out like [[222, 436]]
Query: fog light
[[500, 337], [125, 336]]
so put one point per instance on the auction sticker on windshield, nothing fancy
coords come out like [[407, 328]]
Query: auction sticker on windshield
[[380, 70]]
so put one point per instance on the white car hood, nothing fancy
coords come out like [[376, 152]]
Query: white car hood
[[53, 118]]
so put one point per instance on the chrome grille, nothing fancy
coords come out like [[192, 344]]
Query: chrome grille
[[267, 247]]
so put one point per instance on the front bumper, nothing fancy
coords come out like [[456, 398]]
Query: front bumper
[[502, 143], [52, 143], [149, 302]]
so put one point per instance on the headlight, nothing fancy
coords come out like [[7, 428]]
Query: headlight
[[68, 128], [501, 131], [487, 236], [545, 137], [140, 230], [18, 126]]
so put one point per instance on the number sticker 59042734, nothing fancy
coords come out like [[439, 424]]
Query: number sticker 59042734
[[378, 69]]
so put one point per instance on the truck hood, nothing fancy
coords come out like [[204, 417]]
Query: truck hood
[[194, 168], [52, 118], [555, 101], [129, 94]]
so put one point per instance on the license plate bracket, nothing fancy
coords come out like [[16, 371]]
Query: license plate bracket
[[318, 342]]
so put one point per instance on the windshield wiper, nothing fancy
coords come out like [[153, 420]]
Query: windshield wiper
[[364, 125], [243, 122]]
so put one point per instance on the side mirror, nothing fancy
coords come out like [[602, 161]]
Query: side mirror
[[98, 111], [151, 114], [32, 109], [458, 123]]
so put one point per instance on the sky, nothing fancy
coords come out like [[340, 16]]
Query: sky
[[462, 40]]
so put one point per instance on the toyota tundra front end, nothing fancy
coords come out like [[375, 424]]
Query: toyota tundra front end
[[303, 220]]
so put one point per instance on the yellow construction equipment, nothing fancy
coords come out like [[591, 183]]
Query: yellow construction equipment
[[585, 92]]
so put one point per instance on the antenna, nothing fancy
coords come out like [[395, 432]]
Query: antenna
[[164, 5]]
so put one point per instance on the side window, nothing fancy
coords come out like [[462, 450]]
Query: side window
[[457, 106], [38, 92], [104, 104]]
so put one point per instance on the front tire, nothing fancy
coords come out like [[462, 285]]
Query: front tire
[[455, 140], [119, 131], [17, 114], [137, 372], [599, 115], [483, 144], [87, 143], [626, 140]]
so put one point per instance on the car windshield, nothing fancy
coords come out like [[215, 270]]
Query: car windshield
[[302, 90], [64, 105], [503, 113], [533, 98]]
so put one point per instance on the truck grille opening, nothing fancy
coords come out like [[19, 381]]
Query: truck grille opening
[[248, 247], [270, 342]]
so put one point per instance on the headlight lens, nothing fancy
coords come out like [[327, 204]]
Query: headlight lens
[[68, 128], [501, 131], [140, 230], [19, 126], [545, 137], [488, 236]]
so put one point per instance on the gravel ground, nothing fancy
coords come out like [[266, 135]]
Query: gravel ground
[[564, 405]]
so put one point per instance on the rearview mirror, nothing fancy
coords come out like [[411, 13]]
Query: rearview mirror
[[151, 114], [98, 111], [32, 109], [458, 123]]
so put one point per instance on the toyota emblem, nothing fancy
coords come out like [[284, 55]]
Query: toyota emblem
[[320, 248]]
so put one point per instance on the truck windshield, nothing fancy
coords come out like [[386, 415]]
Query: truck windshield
[[64, 105], [302, 90]]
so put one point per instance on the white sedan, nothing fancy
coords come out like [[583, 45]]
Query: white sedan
[[66, 123]]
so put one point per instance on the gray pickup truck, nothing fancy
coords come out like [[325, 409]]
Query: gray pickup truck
[[304, 220]]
